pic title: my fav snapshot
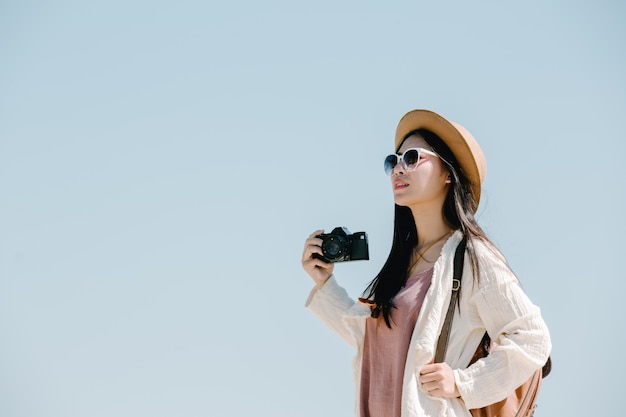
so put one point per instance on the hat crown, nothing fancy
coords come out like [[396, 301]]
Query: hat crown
[[476, 150]]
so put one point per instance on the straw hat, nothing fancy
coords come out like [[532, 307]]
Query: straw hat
[[459, 140]]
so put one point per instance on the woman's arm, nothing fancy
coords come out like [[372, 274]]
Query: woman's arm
[[328, 301]]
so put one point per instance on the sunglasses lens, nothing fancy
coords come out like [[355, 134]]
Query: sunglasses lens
[[390, 163], [411, 158]]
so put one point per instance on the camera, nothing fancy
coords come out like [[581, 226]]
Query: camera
[[339, 246]]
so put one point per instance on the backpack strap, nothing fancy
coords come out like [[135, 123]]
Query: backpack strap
[[442, 343]]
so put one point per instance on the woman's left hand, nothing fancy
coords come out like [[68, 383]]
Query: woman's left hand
[[438, 380]]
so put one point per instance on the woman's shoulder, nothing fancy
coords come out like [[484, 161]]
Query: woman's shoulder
[[492, 264], [487, 251], [484, 252], [482, 248]]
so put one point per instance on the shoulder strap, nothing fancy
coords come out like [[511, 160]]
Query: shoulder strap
[[442, 343]]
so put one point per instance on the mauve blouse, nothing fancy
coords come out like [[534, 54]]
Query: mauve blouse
[[385, 350]]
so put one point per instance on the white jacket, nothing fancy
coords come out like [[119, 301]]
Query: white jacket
[[497, 305]]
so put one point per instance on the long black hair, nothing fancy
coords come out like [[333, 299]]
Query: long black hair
[[458, 211]]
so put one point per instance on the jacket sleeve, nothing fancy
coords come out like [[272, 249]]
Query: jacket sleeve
[[522, 340], [331, 304]]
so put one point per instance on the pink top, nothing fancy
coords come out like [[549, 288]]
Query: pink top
[[385, 350]]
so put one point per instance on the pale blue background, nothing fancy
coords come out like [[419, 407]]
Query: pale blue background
[[161, 164]]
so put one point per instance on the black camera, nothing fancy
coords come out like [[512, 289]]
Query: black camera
[[339, 246]]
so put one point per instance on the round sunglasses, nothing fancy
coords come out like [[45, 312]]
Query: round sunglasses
[[409, 159]]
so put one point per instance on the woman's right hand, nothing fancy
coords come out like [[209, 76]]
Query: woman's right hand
[[317, 269]]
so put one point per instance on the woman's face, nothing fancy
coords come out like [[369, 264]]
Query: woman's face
[[427, 185]]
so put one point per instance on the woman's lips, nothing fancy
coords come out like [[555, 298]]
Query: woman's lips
[[399, 184]]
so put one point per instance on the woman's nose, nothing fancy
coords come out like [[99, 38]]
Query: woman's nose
[[398, 168]]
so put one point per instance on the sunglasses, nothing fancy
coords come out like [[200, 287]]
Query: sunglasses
[[409, 159]]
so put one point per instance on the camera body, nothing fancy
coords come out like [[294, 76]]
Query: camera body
[[339, 246]]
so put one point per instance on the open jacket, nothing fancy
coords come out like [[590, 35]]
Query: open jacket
[[495, 304]]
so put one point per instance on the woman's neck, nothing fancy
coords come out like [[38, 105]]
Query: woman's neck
[[430, 226]]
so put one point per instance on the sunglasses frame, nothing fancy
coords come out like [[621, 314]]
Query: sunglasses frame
[[400, 159]]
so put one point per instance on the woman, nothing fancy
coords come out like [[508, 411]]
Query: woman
[[436, 176]]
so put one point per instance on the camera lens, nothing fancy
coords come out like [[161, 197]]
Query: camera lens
[[334, 248]]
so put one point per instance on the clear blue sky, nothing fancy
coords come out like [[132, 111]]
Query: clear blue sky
[[161, 164]]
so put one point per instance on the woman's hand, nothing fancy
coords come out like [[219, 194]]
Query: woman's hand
[[319, 270], [438, 380]]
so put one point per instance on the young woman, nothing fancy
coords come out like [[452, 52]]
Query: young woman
[[436, 176]]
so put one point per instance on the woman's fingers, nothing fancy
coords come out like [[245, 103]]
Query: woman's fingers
[[438, 380], [319, 270], [316, 233], [312, 245]]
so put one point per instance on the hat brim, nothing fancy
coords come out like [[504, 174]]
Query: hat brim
[[460, 141]]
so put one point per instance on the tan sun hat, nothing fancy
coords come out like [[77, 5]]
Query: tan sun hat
[[459, 140]]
